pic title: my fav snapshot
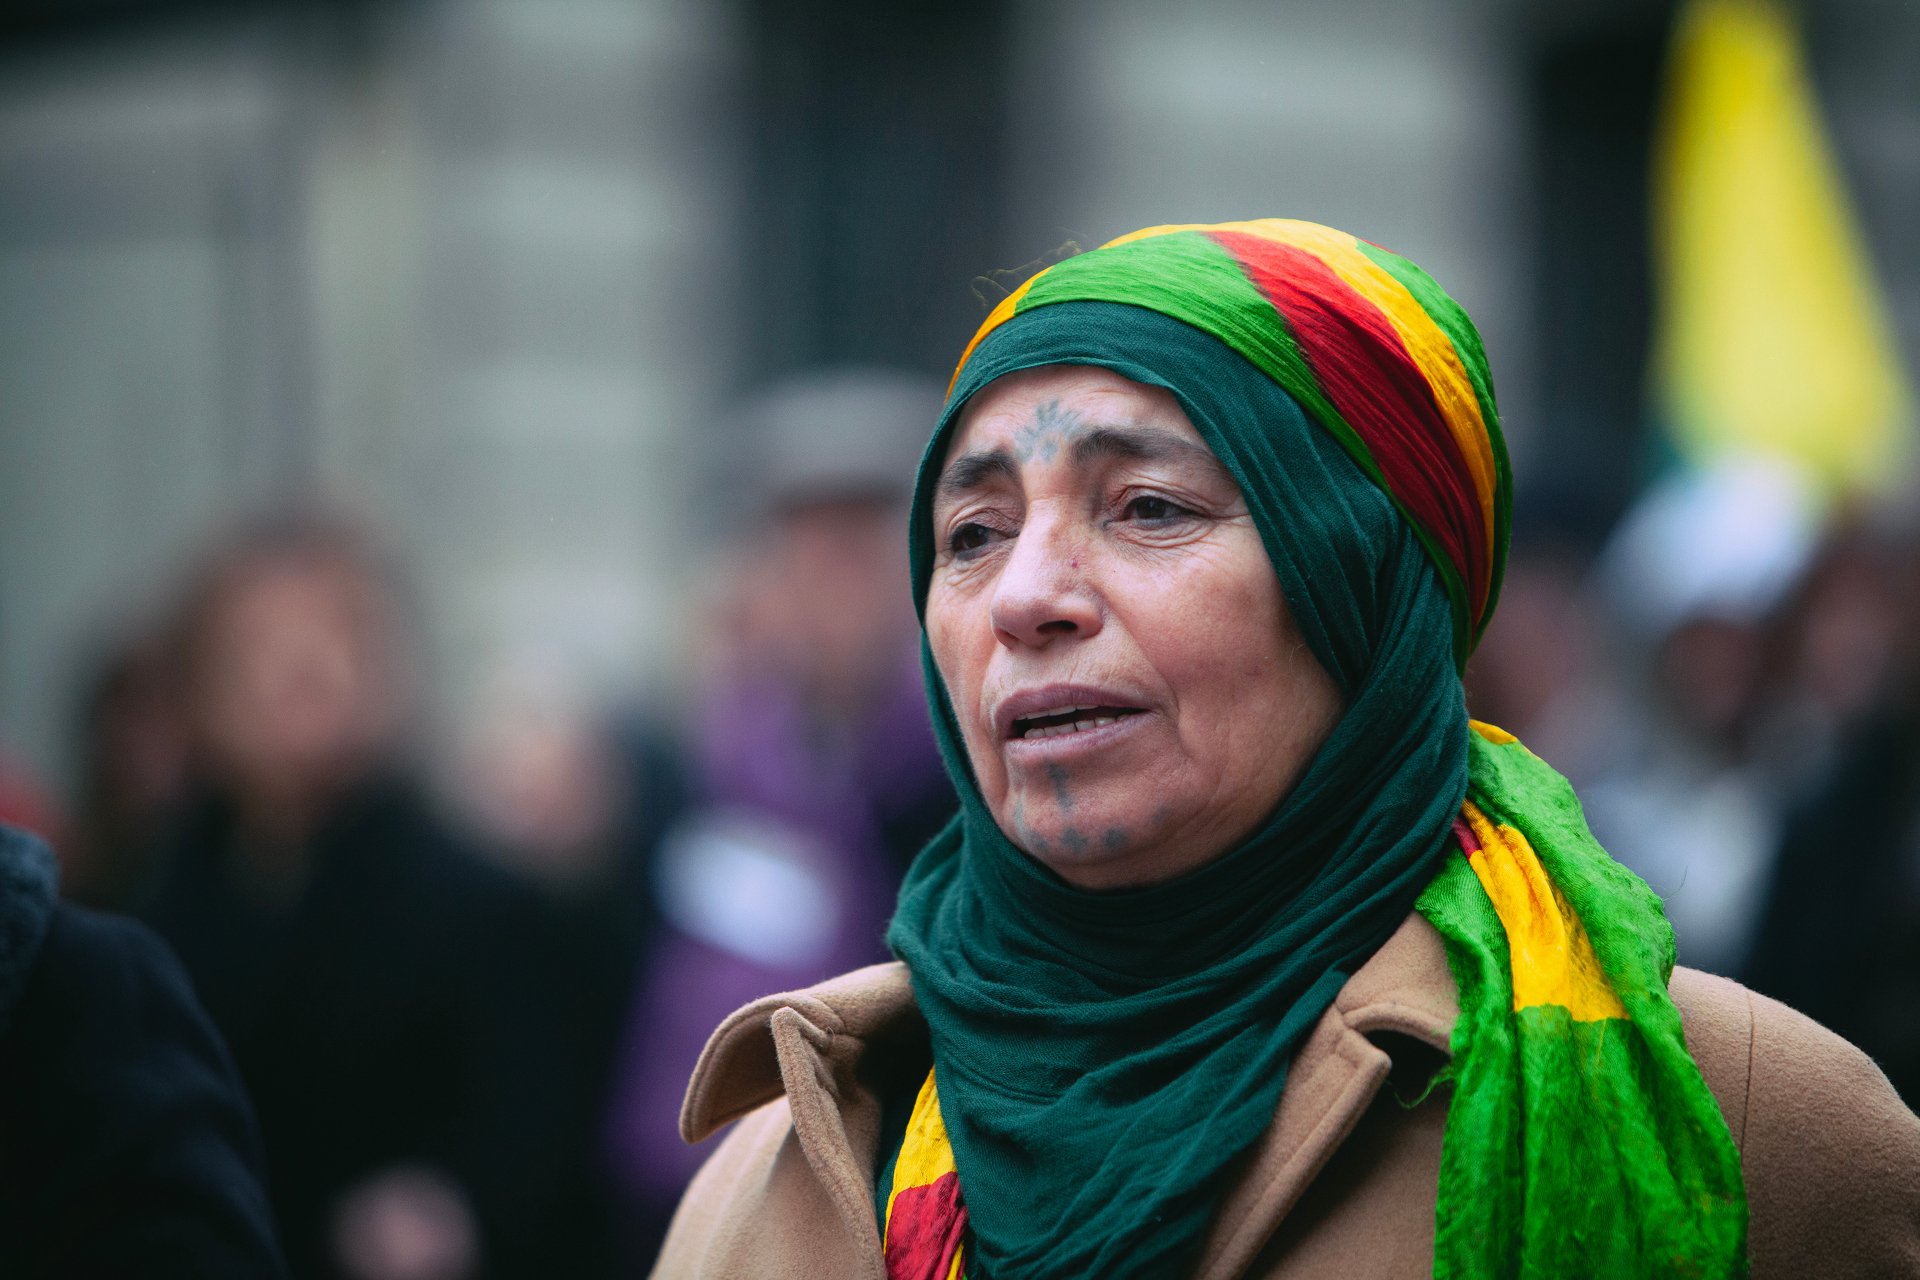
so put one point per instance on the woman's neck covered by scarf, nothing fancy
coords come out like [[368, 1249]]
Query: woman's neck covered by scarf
[[1104, 1057]]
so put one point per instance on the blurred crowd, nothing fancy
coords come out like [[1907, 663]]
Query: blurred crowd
[[466, 1010], [466, 996]]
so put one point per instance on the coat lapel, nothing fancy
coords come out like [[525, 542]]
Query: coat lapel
[[1405, 988], [810, 1047]]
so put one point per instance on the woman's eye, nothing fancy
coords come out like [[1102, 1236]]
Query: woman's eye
[[967, 539], [1152, 509]]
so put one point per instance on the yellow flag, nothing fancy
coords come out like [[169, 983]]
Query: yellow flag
[[1772, 335]]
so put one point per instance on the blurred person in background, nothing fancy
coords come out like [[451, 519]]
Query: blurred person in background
[[810, 772], [576, 800], [1537, 652], [1675, 781], [1835, 644], [374, 979], [1542, 670], [132, 773], [1840, 932]]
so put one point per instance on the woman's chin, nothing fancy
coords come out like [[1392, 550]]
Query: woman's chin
[[1100, 841]]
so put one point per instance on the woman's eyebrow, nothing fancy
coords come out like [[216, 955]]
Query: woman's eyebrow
[[974, 470], [1145, 444], [970, 471]]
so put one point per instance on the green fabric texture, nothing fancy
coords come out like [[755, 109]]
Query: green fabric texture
[[1574, 1148], [1103, 1058]]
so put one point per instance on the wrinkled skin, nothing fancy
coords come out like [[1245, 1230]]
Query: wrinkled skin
[[1091, 551]]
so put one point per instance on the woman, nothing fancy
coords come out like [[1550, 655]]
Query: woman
[[1211, 522], [377, 982]]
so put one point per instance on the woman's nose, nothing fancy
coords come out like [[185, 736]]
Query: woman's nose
[[1045, 591]]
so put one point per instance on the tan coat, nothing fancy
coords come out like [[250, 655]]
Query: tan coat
[[1343, 1182]]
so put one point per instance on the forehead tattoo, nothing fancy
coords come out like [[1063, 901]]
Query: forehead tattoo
[[1053, 427]]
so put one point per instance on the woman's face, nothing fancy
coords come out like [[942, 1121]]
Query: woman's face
[[1133, 694]]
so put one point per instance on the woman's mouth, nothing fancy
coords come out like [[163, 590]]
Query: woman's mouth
[[1069, 720]]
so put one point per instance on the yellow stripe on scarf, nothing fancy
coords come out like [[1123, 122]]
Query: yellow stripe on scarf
[[926, 1156], [1553, 960], [926, 1153]]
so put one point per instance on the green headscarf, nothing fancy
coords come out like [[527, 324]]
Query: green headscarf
[[1104, 1057]]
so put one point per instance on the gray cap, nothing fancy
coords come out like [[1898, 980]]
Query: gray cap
[[840, 432]]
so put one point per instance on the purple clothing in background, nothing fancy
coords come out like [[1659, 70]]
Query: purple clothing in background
[[783, 872]]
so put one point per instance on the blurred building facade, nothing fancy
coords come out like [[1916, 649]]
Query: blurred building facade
[[453, 266], [486, 268]]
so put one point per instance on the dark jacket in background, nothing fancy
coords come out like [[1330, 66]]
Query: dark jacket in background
[[126, 1144], [389, 1011], [1839, 939]]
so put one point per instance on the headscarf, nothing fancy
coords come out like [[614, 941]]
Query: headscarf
[[1104, 1058]]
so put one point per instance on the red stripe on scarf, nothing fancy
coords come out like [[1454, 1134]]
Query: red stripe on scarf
[[1360, 362], [925, 1226]]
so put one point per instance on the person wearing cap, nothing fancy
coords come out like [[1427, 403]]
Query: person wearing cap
[[1685, 791], [809, 774], [1249, 953]]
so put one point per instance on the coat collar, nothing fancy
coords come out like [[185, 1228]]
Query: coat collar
[[1404, 990], [809, 1045]]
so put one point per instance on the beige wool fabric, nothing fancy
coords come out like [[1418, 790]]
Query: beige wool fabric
[[1343, 1183]]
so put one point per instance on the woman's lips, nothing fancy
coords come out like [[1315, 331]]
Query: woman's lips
[[1057, 723], [1069, 720], [1091, 731], [1061, 710]]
